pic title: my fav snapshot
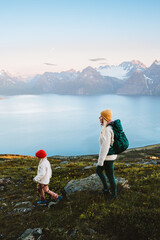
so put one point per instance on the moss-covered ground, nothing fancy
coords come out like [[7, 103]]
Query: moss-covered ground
[[135, 214]]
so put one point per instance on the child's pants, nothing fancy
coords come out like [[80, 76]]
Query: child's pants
[[42, 189], [109, 169]]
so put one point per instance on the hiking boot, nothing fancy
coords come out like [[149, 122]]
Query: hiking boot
[[42, 202], [59, 199]]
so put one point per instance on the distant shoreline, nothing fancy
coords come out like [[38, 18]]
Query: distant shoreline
[[147, 147]]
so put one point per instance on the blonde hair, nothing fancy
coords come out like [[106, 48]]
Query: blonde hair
[[103, 130]]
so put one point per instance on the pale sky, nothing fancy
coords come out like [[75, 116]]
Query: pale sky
[[57, 35]]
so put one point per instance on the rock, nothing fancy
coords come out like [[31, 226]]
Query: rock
[[92, 231], [60, 229], [95, 164], [22, 210], [5, 181], [29, 197], [4, 159], [31, 234], [91, 183], [127, 164], [4, 204], [31, 168], [153, 162], [123, 182], [87, 167], [73, 234], [59, 157], [51, 204], [2, 199], [57, 168], [25, 234], [23, 203], [64, 162]]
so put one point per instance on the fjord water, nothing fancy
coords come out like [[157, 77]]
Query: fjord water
[[69, 125]]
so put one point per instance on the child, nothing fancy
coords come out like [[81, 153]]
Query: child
[[44, 174]]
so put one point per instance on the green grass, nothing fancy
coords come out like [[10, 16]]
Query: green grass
[[134, 215]]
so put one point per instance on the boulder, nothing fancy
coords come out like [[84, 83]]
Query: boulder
[[91, 183]]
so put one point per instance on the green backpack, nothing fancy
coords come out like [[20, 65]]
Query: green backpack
[[121, 142]]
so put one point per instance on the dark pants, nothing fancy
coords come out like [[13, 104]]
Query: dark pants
[[109, 170]]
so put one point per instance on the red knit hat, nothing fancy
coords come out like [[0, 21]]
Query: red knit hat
[[41, 154]]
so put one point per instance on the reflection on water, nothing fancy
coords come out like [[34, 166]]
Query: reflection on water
[[69, 125]]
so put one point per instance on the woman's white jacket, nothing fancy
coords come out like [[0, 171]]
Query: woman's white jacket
[[105, 142]]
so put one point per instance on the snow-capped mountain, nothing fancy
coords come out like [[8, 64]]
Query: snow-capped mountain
[[123, 71], [86, 82], [157, 62], [154, 70], [137, 84], [128, 78], [145, 82], [6, 79], [10, 84]]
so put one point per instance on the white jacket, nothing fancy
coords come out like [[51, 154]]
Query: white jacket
[[44, 172], [105, 143]]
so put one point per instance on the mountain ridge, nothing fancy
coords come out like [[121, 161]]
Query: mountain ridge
[[127, 78]]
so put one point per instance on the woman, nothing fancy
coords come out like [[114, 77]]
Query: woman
[[105, 162]]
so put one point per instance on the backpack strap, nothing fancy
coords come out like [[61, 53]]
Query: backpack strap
[[110, 124]]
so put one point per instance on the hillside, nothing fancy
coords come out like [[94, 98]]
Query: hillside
[[82, 215]]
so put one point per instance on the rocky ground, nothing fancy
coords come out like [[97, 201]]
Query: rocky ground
[[83, 213]]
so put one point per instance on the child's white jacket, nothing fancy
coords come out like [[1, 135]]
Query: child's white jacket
[[44, 172]]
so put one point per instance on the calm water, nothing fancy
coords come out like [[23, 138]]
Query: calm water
[[69, 125]]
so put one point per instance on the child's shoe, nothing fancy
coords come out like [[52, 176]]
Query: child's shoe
[[59, 199], [42, 202]]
